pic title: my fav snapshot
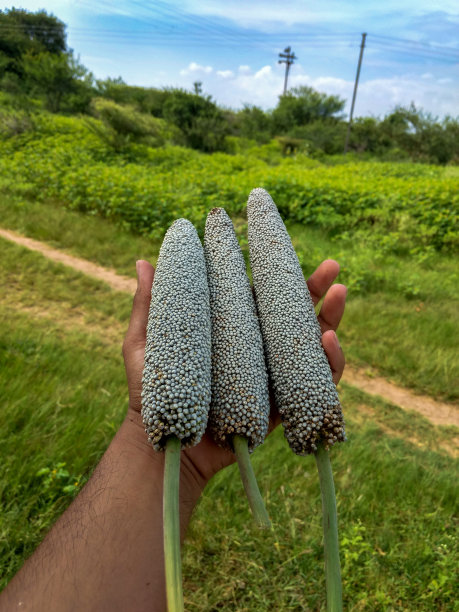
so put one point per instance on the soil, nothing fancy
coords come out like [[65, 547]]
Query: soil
[[116, 281], [436, 412]]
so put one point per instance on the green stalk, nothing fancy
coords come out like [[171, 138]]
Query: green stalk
[[330, 525], [241, 450], [171, 526]]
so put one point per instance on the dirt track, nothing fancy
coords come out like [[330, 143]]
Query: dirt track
[[439, 413], [116, 281]]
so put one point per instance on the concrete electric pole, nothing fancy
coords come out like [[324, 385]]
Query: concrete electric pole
[[288, 60], [348, 133]]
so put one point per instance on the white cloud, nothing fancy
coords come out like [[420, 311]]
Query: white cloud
[[194, 67], [374, 97], [225, 74], [266, 71], [244, 69]]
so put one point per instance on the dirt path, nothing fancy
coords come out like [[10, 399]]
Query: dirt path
[[438, 413], [116, 281]]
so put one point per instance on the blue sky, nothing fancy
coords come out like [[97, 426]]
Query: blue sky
[[232, 46]]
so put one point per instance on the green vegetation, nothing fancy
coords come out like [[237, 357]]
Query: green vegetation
[[58, 406], [397, 533], [82, 235], [104, 185], [395, 283], [40, 71], [146, 188], [393, 227]]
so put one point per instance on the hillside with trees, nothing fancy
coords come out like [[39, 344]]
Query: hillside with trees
[[40, 73]]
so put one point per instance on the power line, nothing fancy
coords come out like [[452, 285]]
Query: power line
[[428, 45], [163, 32], [415, 52]]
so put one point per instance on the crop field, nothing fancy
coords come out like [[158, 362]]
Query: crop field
[[394, 230]]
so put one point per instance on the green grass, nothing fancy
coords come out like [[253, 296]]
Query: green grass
[[416, 348], [63, 395], [62, 390], [86, 236], [396, 507], [31, 280], [401, 312]]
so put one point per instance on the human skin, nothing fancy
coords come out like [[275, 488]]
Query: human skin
[[105, 553]]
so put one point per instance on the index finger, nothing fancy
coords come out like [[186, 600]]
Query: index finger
[[322, 279]]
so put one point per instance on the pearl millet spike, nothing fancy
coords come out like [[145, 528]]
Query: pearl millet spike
[[239, 410], [176, 382], [299, 371]]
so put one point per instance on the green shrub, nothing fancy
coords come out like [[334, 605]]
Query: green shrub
[[122, 125], [403, 208], [13, 123]]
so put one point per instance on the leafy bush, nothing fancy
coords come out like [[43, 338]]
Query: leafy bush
[[391, 208], [145, 99], [122, 125], [303, 105], [13, 123], [253, 123]]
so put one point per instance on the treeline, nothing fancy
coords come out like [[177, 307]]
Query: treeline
[[38, 70]]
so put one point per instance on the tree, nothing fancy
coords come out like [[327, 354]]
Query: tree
[[198, 117], [421, 135], [254, 123], [60, 79], [36, 61], [366, 135], [303, 105], [23, 33]]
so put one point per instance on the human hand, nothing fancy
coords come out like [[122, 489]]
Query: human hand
[[204, 460]]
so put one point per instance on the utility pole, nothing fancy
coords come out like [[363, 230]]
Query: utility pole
[[288, 61], [362, 47]]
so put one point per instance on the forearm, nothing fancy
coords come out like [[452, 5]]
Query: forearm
[[106, 550]]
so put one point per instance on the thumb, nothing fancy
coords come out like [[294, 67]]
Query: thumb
[[136, 332]]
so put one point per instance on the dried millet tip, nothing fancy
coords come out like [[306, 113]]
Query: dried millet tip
[[299, 371], [240, 400], [176, 377]]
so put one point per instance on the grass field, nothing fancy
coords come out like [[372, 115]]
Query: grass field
[[63, 390], [401, 314], [64, 394]]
